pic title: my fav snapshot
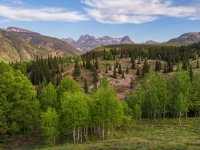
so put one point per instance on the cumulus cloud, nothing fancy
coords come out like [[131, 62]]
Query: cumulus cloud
[[138, 11], [44, 14]]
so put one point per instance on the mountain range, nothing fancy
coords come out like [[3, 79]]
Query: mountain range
[[18, 44], [86, 42]]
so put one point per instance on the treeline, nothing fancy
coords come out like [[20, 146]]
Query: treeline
[[57, 112], [170, 54]]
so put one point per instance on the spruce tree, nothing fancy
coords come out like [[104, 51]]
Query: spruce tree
[[96, 64], [106, 69], [197, 63], [133, 62], [157, 67], [95, 75], [127, 70], [123, 76], [120, 69], [115, 73], [145, 68], [76, 70], [86, 89], [138, 71]]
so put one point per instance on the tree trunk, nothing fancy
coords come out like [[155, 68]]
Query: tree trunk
[[74, 135]]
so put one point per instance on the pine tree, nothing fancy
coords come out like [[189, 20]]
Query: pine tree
[[84, 63], [76, 70], [123, 76], [138, 71], [96, 64], [197, 63], [115, 73], [120, 69], [86, 89], [110, 67], [88, 64], [145, 68], [157, 66], [127, 70], [133, 62], [95, 75], [131, 84]]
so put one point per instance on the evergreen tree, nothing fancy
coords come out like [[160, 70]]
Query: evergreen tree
[[86, 89], [115, 73], [95, 75], [127, 70], [123, 76], [76, 70], [145, 68], [138, 71], [96, 64], [120, 69], [198, 63], [133, 62]]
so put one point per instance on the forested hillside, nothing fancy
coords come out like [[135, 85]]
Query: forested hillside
[[126, 92]]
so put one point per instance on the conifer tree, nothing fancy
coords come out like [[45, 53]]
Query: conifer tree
[[138, 71], [106, 69], [145, 68], [123, 76], [84, 63], [115, 73], [76, 70], [110, 67], [120, 69], [127, 70], [86, 89], [96, 64], [95, 75], [133, 62], [198, 63]]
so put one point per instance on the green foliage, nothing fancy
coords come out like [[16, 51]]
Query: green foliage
[[50, 125], [48, 97], [75, 113], [68, 85], [18, 102], [107, 111]]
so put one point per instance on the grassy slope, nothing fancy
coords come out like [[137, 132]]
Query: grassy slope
[[148, 134]]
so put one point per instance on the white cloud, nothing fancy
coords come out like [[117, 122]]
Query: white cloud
[[138, 11], [44, 14]]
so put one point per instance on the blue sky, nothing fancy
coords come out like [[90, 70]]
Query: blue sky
[[142, 20]]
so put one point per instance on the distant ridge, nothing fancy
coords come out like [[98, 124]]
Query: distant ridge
[[187, 38], [87, 42]]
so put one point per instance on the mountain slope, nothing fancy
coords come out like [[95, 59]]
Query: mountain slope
[[13, 48], [87, 42], [192, 37], [52, 44]]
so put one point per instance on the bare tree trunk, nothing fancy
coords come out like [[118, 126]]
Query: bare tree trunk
[[180, 118], [78, 135], [74, 135]]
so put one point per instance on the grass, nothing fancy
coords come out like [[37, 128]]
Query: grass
[[147, 134]]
